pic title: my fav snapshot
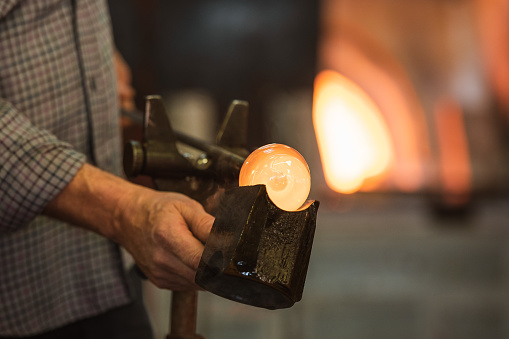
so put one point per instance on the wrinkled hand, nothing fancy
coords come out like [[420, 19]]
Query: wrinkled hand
[[165, 236]]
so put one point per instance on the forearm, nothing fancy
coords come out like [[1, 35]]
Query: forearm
[[95, 200]]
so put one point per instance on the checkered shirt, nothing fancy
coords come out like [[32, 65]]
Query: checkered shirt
[[58, 109]]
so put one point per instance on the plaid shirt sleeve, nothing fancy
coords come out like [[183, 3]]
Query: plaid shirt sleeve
[[58, 106], [34, 168]]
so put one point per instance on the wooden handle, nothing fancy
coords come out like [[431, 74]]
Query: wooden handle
[[183, 315]]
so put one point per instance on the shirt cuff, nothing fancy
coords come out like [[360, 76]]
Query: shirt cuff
[[34, 167]]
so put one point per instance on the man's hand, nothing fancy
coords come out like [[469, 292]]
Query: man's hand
[[166, 238], [162, 231]]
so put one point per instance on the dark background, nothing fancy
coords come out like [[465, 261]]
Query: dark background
[[244, 50]]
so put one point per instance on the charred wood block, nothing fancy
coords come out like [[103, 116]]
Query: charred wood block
[[257, 253]]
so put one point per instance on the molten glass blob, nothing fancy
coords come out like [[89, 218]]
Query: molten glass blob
[[282, 170]]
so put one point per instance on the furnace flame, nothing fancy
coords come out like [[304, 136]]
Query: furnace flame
[[353, 138]]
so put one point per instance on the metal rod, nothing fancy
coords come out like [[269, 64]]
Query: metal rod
[[183, 315], [211, 149]]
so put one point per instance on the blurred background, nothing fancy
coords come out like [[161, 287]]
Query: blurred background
[[401, 109]]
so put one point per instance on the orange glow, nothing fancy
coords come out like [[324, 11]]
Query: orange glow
[[455, 170], [352, 135], [377, 70], [282, 170]]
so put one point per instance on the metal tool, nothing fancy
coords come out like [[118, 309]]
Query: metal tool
[[256, 254]]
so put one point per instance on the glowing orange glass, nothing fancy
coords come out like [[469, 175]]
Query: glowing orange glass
[[282, 170]]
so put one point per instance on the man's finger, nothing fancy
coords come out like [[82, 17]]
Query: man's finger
[[198, 221]]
